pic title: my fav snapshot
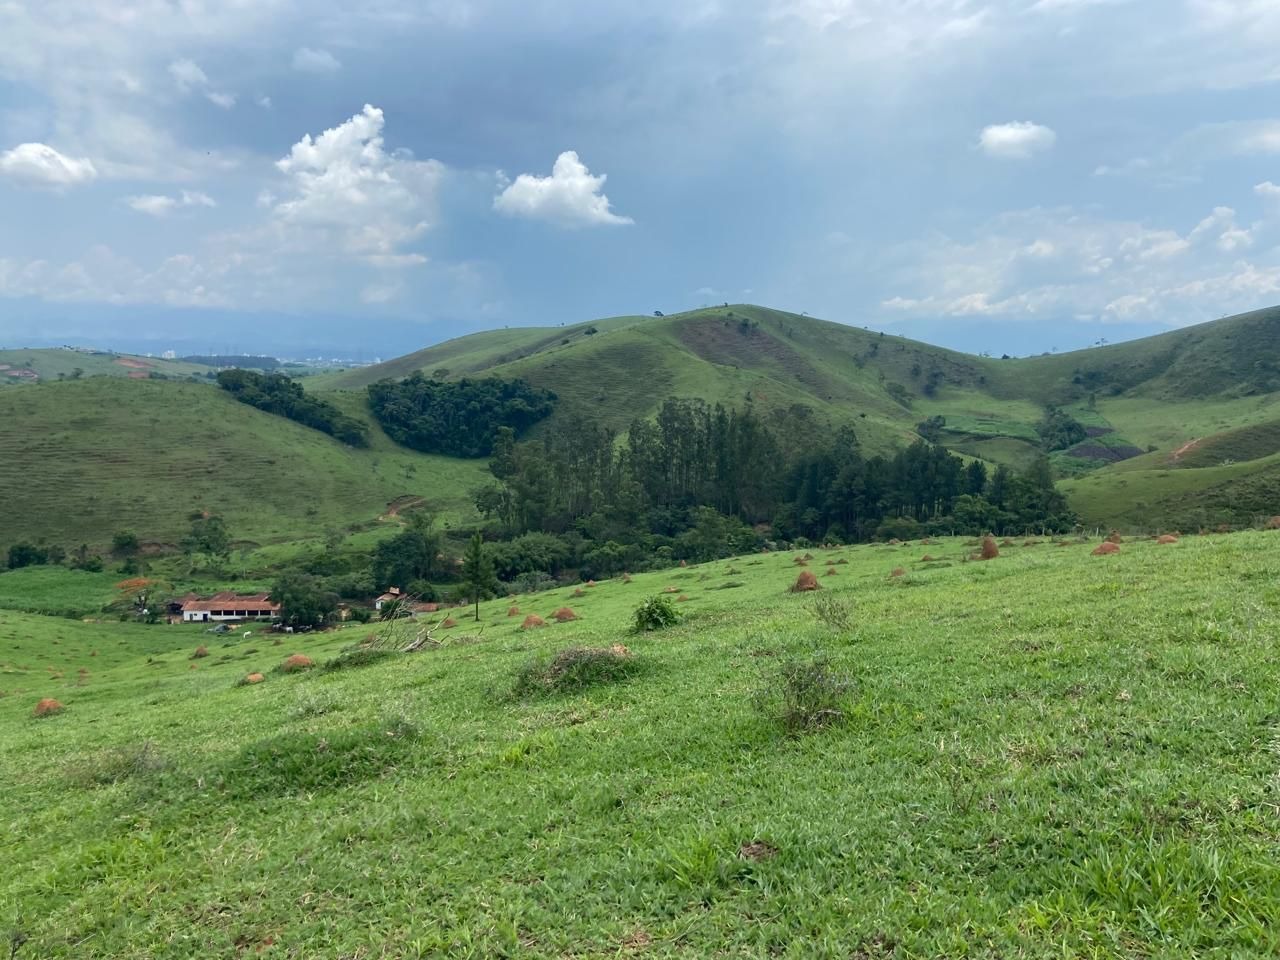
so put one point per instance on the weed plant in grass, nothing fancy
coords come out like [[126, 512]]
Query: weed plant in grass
[[804, 695], [654, 613]]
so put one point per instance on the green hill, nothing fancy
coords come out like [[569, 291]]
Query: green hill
[[37, 366], [1049, 754], [82, 459], [1159, 392]]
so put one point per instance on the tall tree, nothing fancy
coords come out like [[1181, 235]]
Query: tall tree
[[477, 572]]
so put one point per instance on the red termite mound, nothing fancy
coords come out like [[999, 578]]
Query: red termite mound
[[805, 582]]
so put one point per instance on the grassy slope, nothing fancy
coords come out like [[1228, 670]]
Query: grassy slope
[[1160, 391], [92, 457], [50, 363], [80, 460], [1084, 772]]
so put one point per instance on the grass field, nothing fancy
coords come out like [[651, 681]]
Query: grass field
[[81, 460], [1046, 755], [49, 364]]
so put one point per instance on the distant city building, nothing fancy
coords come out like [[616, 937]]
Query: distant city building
[[170, 355]]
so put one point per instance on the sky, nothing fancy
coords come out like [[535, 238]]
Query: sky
[[295, 177]]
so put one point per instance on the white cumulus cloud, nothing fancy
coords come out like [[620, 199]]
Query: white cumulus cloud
[[39, 163], [1016, 141], [308, 60], [570, 197], [348, 192]]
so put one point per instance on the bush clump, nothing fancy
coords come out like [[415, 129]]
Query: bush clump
[[804, 696], [655, 613], [358, 657], [575, 669], [832, 610]]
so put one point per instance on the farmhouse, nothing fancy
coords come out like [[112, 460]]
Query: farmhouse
[[395, 595], [229, 606], [390, 596]]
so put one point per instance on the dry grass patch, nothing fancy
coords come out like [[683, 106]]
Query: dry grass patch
[[296, 663]]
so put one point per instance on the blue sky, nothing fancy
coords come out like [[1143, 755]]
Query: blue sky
[[280, 176]]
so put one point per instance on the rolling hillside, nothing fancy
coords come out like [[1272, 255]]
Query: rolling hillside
[[1155, 394], [83, 458], [38, 366]]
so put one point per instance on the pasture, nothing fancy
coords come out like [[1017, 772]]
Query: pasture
[[1048, 754]]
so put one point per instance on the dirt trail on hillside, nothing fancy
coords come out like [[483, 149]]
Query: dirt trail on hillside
[[400, 504], [1185, 449]]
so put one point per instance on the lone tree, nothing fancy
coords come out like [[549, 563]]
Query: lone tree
[[208, 536], [477, 572], [303, 601]]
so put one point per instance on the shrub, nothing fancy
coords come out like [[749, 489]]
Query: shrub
[[250, 680], [200, 652], [835, 612], [655, 613], [989, 549], [564, 615], [574, 669], [804, 695], [532, 621], [513, 612], [358, 657]]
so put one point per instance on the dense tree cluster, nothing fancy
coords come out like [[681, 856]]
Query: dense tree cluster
[[278, 394], [1059, 430], [458, 418], [699, 482]]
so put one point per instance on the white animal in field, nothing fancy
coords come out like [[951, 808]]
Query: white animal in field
[[248, 634]]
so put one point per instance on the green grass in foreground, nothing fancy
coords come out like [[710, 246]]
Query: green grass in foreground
[[1046, 755]]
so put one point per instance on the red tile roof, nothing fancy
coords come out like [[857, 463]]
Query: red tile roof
[[227, 600]]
